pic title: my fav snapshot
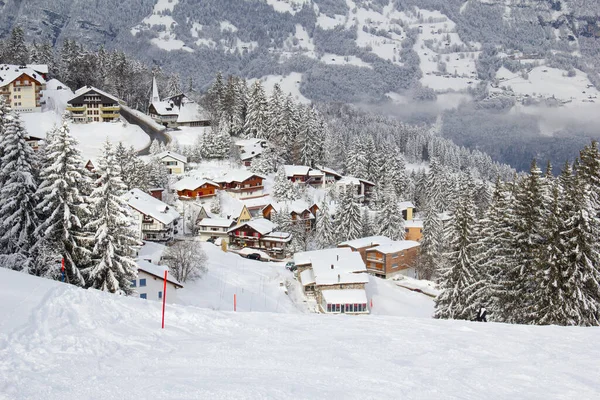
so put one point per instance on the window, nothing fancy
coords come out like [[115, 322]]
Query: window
[[395, 255], [142, 282], [350, 307], [133, 283], [143, 296], [328, 307], [337, 308], [160, 294], [395, 265]]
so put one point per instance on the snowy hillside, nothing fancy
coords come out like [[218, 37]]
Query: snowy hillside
[[69, 343]]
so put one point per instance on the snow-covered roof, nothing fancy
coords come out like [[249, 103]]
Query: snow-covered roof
[[395, 247], [296, 206], [151, 206], [330, 171], [216, 222], [85, 89], [190, 111], [350, 180], [415, 223], [404, 205], [151, 251], [157, 270], [282, 237], [258, 202], [8, 73], [307, 277], [260, 225], [172, 154], [249, 142], [239, 176], [192, 183], [250, 151], [366, 242], [348, 296], [41, 68], [335, 276], [165, 108], [294, 170]]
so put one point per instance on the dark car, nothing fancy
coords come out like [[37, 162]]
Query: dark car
[[290, 266], [253, 256]]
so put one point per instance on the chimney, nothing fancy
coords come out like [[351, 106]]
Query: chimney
[[331, 266], [338, 257], [339, 278]]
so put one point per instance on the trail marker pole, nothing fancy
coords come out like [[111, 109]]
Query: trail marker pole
[[371, 302], [164, 299], [234, 302], [62, 268]]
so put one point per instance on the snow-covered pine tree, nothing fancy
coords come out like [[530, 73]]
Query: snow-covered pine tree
[[357, 160], [154, 147], [366, 224], [17, 50], [348, 218], [240, 107], [530, 213], [496, 252], [214, 98], [283, 188], [255, 125], [431, 253], [222, 142], [63, 186], [173, 85], [436, 186], [389, 220], [589, 171], [18, 218], [276, 116], [112, 268], [582, 251], [458, 282], [289, 131], [326, 235]]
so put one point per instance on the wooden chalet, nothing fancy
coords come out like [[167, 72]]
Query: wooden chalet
[[192, 188]]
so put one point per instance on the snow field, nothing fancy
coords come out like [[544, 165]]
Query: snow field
[[291, 6], [70, 343], [91, 137], [289, 84]]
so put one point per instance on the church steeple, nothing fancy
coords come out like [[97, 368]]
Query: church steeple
[[155, 98]]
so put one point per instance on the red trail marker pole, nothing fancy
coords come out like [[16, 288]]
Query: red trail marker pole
[[234, 302], [164, 299]]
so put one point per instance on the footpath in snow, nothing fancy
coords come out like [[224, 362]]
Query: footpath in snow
[[60, 342]]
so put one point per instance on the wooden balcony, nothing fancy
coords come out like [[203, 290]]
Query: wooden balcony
[[110, 109], [76, 109], [112, 115]]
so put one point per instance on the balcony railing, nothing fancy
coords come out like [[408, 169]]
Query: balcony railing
[[110, 115], [109, 109], [76, 109]]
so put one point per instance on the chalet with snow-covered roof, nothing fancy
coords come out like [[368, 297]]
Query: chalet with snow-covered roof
[[361, 245], [242, 184], [304, 174], [93, 105], [22, 87], [330, 176], [192, 188], [397, 257], [301, 212], [174, 162], [176, 111], [259, 207], [336, 278], [214, 228], [413, 230], [149, 283], [249, 149], [363, 188], [153, 219], [260, 234]]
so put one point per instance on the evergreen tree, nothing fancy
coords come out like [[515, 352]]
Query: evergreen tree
[[63, 185], [276, 124], [18, 219], [17, 50], [431, 253], [389, 219], [255, 125], [173, 86], [112, 268], [367, 226], [582, 229], [222, 142], [283, 188], [348, 218], [326, 235], [459, 282]]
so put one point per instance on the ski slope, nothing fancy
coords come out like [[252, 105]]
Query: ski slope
[[60, 342]]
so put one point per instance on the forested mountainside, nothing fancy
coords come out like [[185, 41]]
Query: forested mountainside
[[513, 62]]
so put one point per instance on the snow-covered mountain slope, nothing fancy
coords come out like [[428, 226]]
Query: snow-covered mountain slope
[[350, 50], [61, 342]]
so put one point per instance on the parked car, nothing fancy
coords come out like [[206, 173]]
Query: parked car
[[290, 266], [253, 256], [211, 240]]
